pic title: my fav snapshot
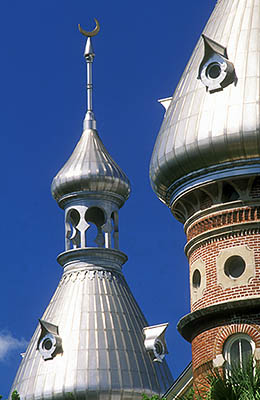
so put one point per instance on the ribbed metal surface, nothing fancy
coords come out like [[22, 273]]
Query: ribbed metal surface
[[218, 132], [100, 325], [90, 168], [95, 349]]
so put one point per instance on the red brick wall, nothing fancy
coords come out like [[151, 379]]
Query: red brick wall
[[214, 293], [207, 345], [224, 218], [241, 227]]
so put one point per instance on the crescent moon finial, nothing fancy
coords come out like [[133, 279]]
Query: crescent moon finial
[[92, 33]]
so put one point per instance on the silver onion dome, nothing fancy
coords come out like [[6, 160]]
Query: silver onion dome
[[211, 127], [90, 168]]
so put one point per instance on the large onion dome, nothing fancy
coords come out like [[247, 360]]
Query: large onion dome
[[211, 128], [90, 168]]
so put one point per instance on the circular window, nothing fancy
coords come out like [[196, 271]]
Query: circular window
[[213, 71], [234, 267], [196, 279], [47, 344], [158, 348]]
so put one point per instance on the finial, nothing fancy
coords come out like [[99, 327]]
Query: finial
[[89, 121], [92, 33]]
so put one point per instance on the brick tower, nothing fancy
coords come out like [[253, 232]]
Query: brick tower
[[206, 168]]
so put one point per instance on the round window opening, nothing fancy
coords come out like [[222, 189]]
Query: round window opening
[[158, 348], [47, 344], [196, 279], [213, 71], [234, 267]]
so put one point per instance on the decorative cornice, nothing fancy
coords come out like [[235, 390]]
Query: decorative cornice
[[228, 218], [209, 198], [214, 209], [81, 275], [222, 233], [234, 169], [92, 258], [191, 325], [78, 198]]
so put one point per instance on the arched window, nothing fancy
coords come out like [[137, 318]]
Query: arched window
[[95, 236], [238, 350], [72, 231]]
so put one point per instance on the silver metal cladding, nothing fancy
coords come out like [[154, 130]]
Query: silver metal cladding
[[102, 354], [90, 168], [101, 326], [203, 132]]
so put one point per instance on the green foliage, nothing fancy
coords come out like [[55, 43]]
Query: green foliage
[[241, 383], [14, 395], [154, 397], [220, 387], [70, 396], [188, 396]]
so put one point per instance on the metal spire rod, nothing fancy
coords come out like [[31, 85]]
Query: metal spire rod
[[89, 121], [89, 56]]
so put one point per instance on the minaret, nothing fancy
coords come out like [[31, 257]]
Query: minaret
[[90, 341], [206, 168]]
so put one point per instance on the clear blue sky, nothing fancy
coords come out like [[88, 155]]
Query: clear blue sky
[[141, 51]]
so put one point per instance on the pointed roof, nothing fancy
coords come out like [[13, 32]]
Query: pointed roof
[[208, 135], [100, 325], [90, 168]]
